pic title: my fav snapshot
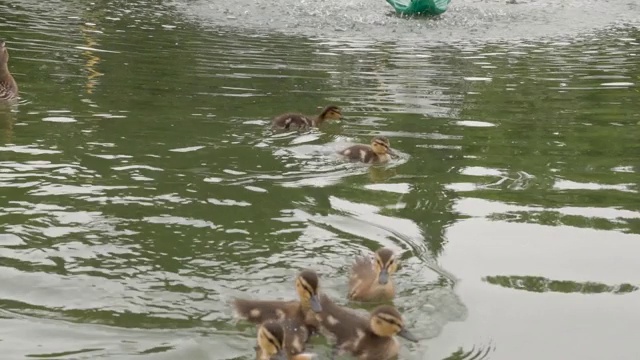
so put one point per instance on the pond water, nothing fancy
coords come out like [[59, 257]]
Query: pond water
[[141, 189]]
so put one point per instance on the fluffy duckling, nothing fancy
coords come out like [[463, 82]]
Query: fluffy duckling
[[371, 280], [8, 85], [300, 314], [295, 120], [378, 152], [365, 339], [271, 342]]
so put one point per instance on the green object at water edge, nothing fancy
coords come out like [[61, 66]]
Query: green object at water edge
[[420, 7]]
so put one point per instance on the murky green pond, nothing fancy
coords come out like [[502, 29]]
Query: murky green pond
[[140, 189]]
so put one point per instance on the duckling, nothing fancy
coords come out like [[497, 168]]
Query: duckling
[[300, 121], [8, 85], [271, 342], [301, 314], [371, 281], [378, 152], [371, 339]]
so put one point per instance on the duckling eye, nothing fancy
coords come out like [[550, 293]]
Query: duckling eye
[[274, 343], [307, 289]]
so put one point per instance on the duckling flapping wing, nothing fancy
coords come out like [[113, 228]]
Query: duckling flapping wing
[[362, 276], [259, 311]]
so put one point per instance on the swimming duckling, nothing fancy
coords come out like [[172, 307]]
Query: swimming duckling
[[8, 85], [371, 280], [271, 342], [371, 339], [291, 120], [377, 153], [301, 314]]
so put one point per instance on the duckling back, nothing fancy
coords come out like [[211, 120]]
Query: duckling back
[[295, 120], [8, 85], [292, 121], [360, 152]]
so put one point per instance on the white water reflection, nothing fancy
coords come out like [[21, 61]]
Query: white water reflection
[[559, 252]]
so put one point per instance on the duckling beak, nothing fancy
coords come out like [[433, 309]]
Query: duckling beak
[[315, 303], [383, 278], [407, 335], [392, 153]]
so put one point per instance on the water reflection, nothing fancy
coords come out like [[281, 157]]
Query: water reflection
[[541, 284], [7, 123]]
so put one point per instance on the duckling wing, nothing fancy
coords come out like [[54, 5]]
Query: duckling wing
[[362, 276], [258, 311], [296, 335], [8, 88], [345, 325]]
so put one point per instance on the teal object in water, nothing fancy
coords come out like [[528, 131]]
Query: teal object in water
[[420, 7]]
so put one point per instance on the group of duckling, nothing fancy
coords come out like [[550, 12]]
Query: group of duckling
[[378, 152], [284, 327]]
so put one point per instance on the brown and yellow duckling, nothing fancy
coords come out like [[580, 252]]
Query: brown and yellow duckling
[[365, 339], [371, 280], [270, 341], [379, 152], [300, 315], [8, 85], [272, 337], [295, 120]]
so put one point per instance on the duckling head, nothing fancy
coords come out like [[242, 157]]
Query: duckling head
[[381, 146], [331, 112], [271, 341], [307, 287], [386, 264], [386, 321]]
